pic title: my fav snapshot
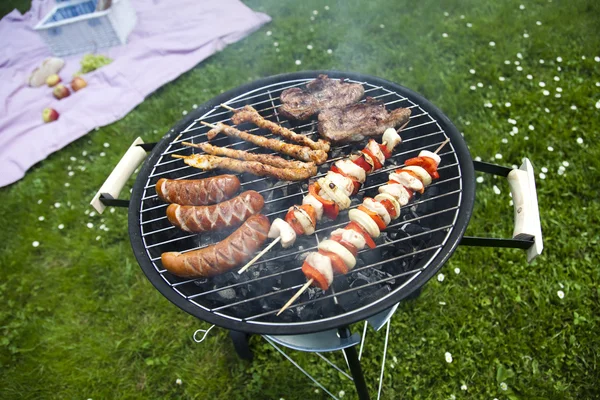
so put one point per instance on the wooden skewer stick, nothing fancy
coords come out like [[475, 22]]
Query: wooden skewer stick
[[259, 255], [228, 107], [298, 293], [207, 124], [441, 145], [178, 156]]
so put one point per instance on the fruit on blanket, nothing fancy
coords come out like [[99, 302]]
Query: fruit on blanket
[[49, 67], [78, 83], [53, 80], [49, 115], [61, 91]]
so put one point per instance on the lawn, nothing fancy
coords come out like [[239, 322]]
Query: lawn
[[520, 79]]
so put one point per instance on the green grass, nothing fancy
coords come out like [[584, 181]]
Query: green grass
[[80, 320]]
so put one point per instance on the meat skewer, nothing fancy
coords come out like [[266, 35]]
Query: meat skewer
[[268, 159], [208, 162], [338, 253], [359, 121], [249, 114], [319, 94], [293, 150], [330, 194]]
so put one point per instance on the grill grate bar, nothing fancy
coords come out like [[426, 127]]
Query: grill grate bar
[[246, 300], [199, 172], [339, 294], [322, 229], [303, 193], [380, 171], [297, 268]]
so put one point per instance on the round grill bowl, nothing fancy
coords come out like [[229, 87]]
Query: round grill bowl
[[411, 251]]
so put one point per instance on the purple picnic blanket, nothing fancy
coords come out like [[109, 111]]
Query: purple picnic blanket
[[171, 37]]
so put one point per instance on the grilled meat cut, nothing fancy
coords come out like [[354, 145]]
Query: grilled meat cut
[[358, 121], [249, 114], [320, 94]]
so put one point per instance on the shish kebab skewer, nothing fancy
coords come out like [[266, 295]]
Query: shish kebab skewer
[[330, 194], [335, 256], [249, 114]]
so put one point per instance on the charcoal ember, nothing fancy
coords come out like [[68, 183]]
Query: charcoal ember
[[314, 292], [323, 168], [244, 310], [370, 256], [310, 312], [340, 283], [330, 308], [275, 193], [227, 294], [426, 206], [374, 293], [201, 282], [337, 151], [348, 300]]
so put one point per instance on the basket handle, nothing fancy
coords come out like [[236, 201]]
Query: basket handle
[[527, 233], [112, 186]]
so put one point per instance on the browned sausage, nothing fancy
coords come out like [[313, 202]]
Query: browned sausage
[[223, 215], [223, 256], [198, 192]]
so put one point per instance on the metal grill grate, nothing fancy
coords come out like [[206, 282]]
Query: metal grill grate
[[406, 250]]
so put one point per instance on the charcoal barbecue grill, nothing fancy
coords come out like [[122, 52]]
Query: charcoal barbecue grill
[[410, 252]]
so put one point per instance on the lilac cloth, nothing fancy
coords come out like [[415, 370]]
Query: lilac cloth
[[171, 37]]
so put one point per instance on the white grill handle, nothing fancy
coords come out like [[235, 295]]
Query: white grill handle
[[113, 185], [527, 214]]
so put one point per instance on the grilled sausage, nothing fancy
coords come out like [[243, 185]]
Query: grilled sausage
[[198, 192], [223, 215], [223, 256]]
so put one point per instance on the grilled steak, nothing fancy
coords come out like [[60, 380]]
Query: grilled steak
[[320, 94], [357, 121]]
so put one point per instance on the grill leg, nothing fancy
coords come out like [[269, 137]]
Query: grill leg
[[355, 368], [240, 342]]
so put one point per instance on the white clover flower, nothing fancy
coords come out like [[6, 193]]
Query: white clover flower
[[597, 104], [102, 154], [541, 61], [492, 44], [469, 25], [507, 104], [561, 170], [501, 79], [526, 137], [550, 148], [382, 26], [503, 386], [498, 156], [315, 12], [479, 84], [329, 51], [526, 35], [472, 71], [298, 62], [269, 33], [558, 95], [487, 104], [496, 189], [579, 140], [520, 56], [559, 59], [61, 226], [41, 218], [309, 47], [446, 14], [463, 387], [542, 175], [184, 112], [67, 184], [195, 106], [472, 87], [560, 294], [597, 59], [542, 84], [515, 129], [448, 357], [90, 225], [57, 205], [565, 163], [477, 158], [538, 23], [544, 169], [522, 7], [327, 8], [442, 303], [457, 270], [504, 140], [341, 393], [556, 79], [440, 277], [519, 68], [479, 179], [529, 76], [445, 35], [507, 62], [106, 144], [35, 243], [545, 92]]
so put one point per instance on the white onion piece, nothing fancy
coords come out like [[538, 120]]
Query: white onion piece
[[351, 236], [392, 199], [421, 172], [322, 264], [378, 208], [407, 180], [373, 147], [432, 155], [391, 138], [280, 228], [351, 169], [365, 221], [398, 191], [344, 253], [304, 220], [342, 182], [335, 194], [317, 205]]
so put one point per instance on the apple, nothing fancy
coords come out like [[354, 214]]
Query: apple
[[53, 80], [78, 83], [49, 115], [61, 91]]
